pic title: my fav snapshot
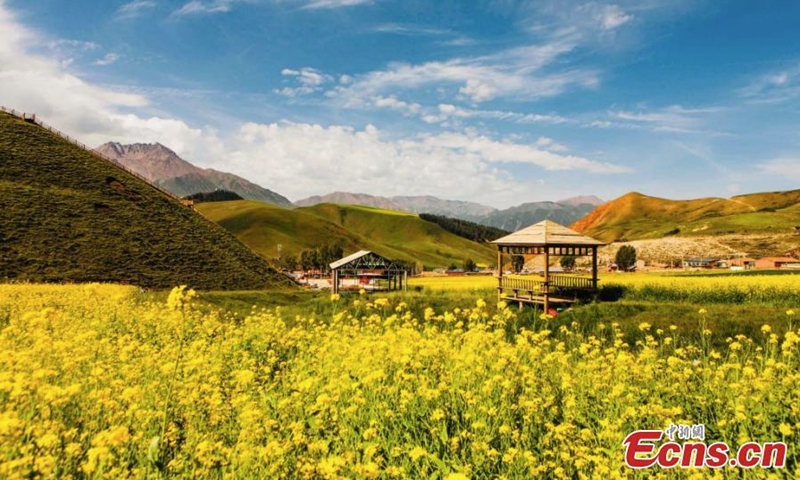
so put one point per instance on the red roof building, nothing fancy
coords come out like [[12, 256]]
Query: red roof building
[[778, 262]]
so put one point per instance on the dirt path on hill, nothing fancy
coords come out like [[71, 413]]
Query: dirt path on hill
[[752, 208]]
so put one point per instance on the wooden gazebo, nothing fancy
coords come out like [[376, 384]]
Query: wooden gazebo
[[549, 239], [370, 271]]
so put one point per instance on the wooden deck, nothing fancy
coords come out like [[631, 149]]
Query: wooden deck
[[559, 289]]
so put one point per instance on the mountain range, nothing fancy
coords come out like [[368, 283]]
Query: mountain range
[[565, 211], [411, 204], [165, 168]]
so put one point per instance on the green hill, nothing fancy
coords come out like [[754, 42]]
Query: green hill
[[396, 235], [69, 215], [635, 216]]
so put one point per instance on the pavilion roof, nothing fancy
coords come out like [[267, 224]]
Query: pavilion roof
[[547, 233], [364, 259]]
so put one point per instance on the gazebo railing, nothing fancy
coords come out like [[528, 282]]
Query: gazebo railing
[[540, 287], [522, 284], [573, 282]]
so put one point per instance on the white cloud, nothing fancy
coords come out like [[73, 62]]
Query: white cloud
[[409, 29], [367, 160], [201, 145], [398, 105], [358, 160], [134, 9], [199, 7], [33, 82], [449, 114], [517, 73], [36, 83], [600, 15], [67, 51], [550, 144], [317, 4], [774, 87], [447, 111], [108, 59], [71, 44], [613, 16], [673, 118], [787, 168], [310, 80], [496, 151]]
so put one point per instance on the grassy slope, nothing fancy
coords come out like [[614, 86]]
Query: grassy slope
[[71, 216], [415, 238], [389, 233], [635, 216]]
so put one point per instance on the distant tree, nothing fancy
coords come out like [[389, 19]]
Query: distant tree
[[215, 196], [289, 262], [626, 257], [568, 262], [466, 229], [308, 259], [323, 257], [320, 258], [517, 262], [406, 265], [453, 266], [336, 252], [469, 265]]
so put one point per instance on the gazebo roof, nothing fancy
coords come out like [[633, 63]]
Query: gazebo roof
[[547, 233], [349, 258], [364, 259]]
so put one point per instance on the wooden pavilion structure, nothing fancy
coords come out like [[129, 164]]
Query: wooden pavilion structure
[[549, 239], [370, 271]]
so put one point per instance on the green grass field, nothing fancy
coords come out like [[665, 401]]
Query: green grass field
[[395, 235]]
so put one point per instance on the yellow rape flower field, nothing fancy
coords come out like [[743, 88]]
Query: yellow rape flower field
[[102, 381], [711, 288]]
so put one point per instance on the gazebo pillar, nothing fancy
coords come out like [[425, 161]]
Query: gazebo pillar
[[594, 268], [499, 274], [546, 279], [335, 281]]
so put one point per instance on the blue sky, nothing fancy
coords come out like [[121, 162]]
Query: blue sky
[[500, 102]]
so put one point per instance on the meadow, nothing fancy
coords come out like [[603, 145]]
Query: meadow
[[105, 381]]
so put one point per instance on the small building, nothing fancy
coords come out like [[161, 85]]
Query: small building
[[742, 263], [368, 270], [778, 262], [697, 262], [548, 239]]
